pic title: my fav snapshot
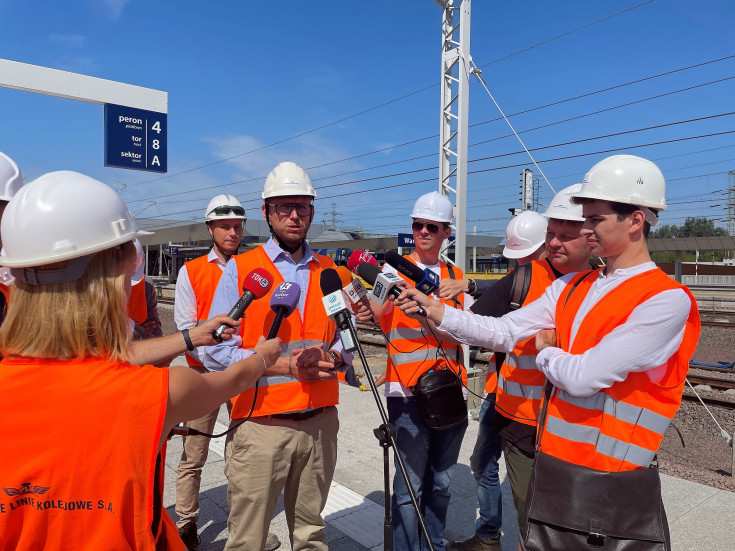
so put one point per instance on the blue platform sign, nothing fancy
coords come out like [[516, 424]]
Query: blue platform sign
[[173, 251], [406, 240], [135, 138]]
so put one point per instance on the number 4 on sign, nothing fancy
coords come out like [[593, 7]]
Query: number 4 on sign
[[156, 126]]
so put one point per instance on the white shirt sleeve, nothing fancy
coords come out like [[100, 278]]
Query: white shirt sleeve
[[501, 334], [650, 336], [220, 356]]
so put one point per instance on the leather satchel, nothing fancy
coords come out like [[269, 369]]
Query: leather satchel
[[440, 400], [571, 507]]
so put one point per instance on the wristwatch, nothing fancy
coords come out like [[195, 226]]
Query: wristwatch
[[471, 287], [336, 358]]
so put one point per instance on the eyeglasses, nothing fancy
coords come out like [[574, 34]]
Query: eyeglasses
[[285, 209], [418, 226], [221, 211]]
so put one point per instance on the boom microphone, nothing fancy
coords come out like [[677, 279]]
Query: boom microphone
[[357, 258], [256, 285], [336, 307], [426, 281], [385, 284], [284, 300]]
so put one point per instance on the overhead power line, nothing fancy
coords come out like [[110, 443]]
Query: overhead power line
[[389, 102]]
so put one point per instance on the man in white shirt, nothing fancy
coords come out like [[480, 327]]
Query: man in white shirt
[[637, 331]]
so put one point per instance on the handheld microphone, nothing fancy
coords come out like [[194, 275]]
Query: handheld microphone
[[336, 307], [426, 281], [353, 287], [284, 300], [359, 257], [385, 284], [256, 285]]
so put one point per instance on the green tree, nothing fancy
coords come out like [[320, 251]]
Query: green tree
[[694, 226]]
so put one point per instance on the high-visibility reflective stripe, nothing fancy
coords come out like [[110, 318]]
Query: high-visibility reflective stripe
[[528, 392], [521, 362], [605, 445], [405, 333], [622, 411], [423, 355], [288, 347]]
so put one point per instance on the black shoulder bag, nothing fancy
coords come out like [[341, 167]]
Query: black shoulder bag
[[571, 507], [439, 393]]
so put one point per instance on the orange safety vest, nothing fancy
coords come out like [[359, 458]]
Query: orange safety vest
[[521, 384], [281, 393], [204, 277], [77, 473], [137, 305], [412, 351], [619, 428]]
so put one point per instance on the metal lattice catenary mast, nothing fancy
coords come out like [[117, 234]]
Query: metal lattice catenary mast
[[453, 126]]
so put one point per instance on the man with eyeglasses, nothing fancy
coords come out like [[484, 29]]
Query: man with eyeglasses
[[289, 443], [195, 288], [429, 454]]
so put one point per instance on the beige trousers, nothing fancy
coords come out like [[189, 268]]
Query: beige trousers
[[189, 475], [267, 455]]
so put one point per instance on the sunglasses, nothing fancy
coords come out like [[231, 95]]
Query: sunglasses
[[418, 226], [221, 211], [285, 209]]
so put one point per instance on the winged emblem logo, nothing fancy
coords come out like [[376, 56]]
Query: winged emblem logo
[[26, 489]]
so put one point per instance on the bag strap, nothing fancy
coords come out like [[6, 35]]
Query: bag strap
[[519, 293]]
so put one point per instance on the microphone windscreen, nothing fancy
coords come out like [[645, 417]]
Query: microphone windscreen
[[258, 282], [286, 295], [345, 275], [359, 257], [405, 266], [368, 272], [329, 281]]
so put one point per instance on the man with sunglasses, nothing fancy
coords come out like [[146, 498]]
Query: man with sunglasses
[[429, 454], [289, 443], [195, 288]]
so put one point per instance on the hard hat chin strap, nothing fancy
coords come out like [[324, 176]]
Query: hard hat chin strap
[[36, 275], [216, 245]]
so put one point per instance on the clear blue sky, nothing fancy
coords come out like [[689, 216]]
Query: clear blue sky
[[244, 75]]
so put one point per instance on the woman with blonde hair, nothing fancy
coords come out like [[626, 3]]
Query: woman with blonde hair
[[84, 425]]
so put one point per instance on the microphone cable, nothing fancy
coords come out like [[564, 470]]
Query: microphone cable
[[183, 430]]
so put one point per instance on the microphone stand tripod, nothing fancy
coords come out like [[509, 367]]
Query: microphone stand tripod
[[386, 435]]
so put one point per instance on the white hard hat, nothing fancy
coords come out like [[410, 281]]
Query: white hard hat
[[433, 206], [562, 208], [224, 207], [62, 216], [288, 179], [625, 179], [10, 178], [524, 234], [139, 266]]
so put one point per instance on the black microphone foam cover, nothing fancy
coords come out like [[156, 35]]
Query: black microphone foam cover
[[368, 272], [329, 281], [406, 267]]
